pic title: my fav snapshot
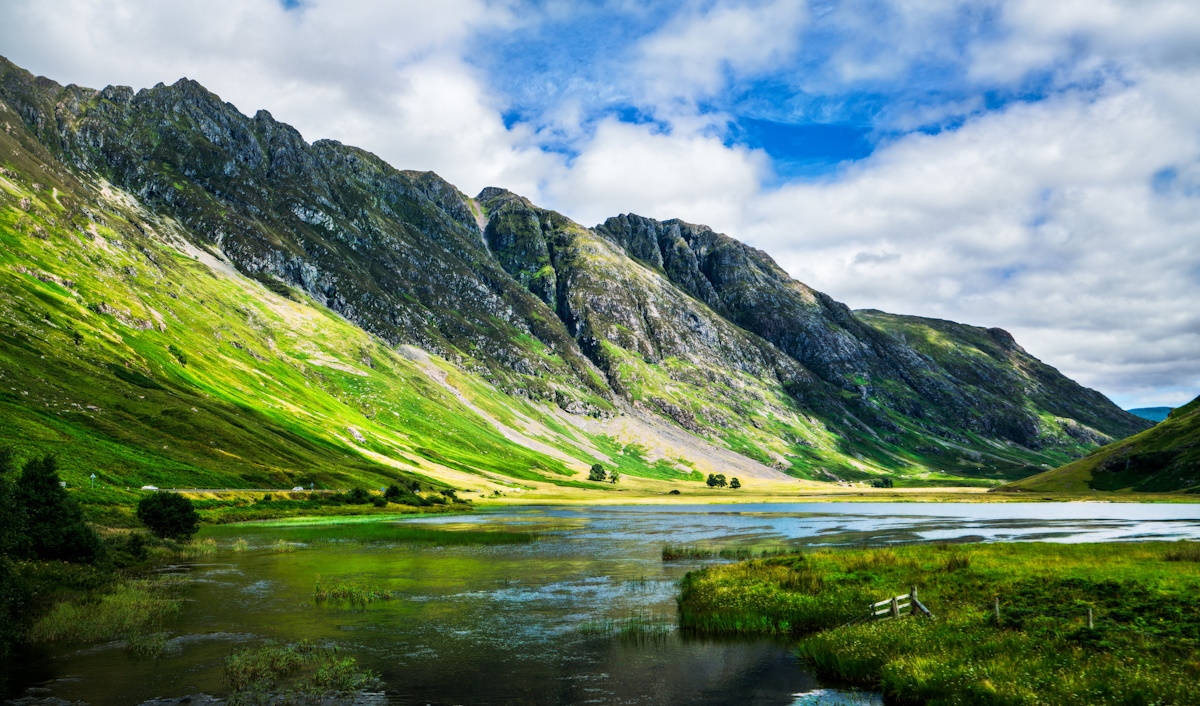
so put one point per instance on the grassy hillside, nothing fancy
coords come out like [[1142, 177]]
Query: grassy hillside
[[1164, 458], [196, 298]]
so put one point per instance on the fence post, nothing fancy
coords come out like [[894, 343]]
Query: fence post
[[1089, 618], [997, 611], [895, 608], [912, 601], [871, 611]]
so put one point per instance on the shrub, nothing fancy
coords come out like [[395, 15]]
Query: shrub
[[357, 496], [168, 515], [393, 492], [379, 502], [54, 523], [735, 484], [597, 473], [675, 492]]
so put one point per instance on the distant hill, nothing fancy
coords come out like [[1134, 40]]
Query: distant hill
[[1154, 414], [1164, 458]]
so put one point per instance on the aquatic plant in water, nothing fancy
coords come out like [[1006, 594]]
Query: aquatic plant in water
[[273, 673]]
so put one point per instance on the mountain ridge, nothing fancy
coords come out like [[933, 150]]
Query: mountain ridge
[[665, 318]]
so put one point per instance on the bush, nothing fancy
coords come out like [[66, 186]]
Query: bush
[[54, 523], [379, 502], [597, 473], [357, 496], [169, 515], [735, 484], [393, 492]]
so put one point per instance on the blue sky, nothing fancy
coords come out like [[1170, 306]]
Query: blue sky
[[1012, 163]]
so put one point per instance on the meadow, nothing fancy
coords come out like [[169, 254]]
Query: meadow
[[1038, 649]]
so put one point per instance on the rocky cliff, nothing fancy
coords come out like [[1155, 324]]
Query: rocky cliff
[[662, 319]]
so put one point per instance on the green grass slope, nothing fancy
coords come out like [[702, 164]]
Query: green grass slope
[[1164, 458], [196, 297], [137, 356]]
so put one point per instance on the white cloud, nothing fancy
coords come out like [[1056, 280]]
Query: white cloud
[[689, 57], [386, 76], [1073, 221], [636, 169]]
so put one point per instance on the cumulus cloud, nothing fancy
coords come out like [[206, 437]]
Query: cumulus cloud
[[383, 75], [1067, 211], [690, 57]]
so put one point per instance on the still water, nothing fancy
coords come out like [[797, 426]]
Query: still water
[[517, 623]]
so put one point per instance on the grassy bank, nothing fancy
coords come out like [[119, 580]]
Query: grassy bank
[[1142, 648]]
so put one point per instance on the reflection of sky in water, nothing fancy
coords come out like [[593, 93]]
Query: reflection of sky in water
[[850, 523]]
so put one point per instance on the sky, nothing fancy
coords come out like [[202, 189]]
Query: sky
[[1024, 164]]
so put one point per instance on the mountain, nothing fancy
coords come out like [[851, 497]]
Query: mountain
[[193, 296], [1165, 458], [1153, 414]]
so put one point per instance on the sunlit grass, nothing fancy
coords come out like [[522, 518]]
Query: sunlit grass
[[1141, 649]]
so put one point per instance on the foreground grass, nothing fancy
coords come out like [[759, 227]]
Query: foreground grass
[[273, 673], [131, 610], [1143, 648]]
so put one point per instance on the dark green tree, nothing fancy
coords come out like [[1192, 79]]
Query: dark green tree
[[13, 541], [169, 515], [735, 483], [597, 473], [712, 480], [393, 492], [614, 476], [54, 523], [720, 479]]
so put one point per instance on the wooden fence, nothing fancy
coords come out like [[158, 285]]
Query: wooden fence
[[906, 604]]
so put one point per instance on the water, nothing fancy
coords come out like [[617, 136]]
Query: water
[[516, 623]]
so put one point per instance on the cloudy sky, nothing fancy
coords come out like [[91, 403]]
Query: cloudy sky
[[1025, 164]]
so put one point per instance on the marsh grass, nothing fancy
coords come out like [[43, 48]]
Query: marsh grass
[[1142, 649], [355, 594], [278, 674], [395, 532], [638, 628], [130, 610], [956, 562], [692, 552], [1184, 551]]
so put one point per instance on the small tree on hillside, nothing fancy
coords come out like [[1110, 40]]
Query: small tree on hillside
[[54, 524], [712, 481], [597, 473], [614, 476], [169, 515], [721, 482], [735, 484]]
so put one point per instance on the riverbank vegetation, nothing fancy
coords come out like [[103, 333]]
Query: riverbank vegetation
[[1141, 647], [304, 672]]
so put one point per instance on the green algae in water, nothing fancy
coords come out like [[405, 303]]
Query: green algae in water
[[397, 533]]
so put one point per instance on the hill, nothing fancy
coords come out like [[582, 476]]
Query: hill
[[1153, 414], [1165, 458], [195, 297]]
